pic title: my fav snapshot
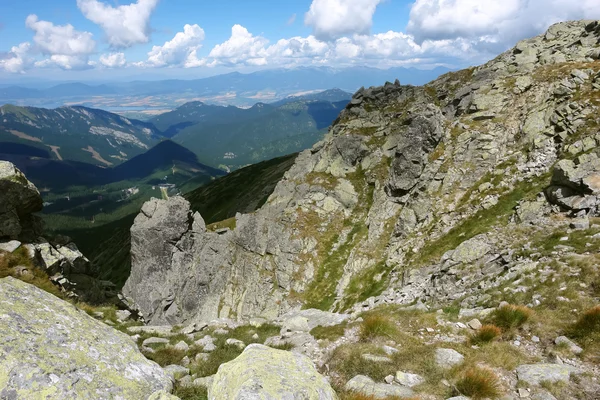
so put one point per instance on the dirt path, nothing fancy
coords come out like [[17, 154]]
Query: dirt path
[[97, 156], [25, 136], [55, 150]]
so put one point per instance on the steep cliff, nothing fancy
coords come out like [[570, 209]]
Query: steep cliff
[[415, 194]]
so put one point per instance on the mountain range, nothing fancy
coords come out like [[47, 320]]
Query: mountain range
[[281, 80], [225, 136]]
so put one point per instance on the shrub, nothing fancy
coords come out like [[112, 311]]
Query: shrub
[[376, 326], [486, 334], [587, 324], [511, 316], [479, 383]]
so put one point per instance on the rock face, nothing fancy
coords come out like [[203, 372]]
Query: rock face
[[383, 209], [263, 373], [61, 260], [53, 350], [19, 199]]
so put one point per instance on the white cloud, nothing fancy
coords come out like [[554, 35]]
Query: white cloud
[[59, 39], [179, 51], [17, 59], [66, 62], [66, 47], [241, 48], [113, 60], [124, 25], [291, 20], [493, 25], [331, 19]]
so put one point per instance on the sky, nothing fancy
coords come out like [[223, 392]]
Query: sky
[[120, 39]]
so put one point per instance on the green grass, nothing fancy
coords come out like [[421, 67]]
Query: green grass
[[331, 333], [164, 356], [191, 393], [377, 325], [479, 223]]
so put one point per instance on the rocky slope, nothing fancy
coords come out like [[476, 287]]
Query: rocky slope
[[410, 197], [21, 238]]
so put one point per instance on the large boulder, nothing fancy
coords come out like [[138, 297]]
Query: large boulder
[[19, 198], [263, 373], [53, 350]]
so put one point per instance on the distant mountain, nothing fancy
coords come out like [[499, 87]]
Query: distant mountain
[[165, 159], [332, 95], [235, 137], [77, 133], [231, 88]]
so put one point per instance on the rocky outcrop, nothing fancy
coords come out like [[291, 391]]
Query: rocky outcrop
[[405, 200], [59, 258], [53, 350], [19, 199], [263, 373]]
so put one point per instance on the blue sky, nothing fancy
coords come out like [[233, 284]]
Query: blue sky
[[100, 39]]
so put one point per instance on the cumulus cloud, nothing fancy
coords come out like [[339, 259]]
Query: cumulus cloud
[[124, 25], [331, 19], [59, 39], [66, 47], [66, 62], [179, 51], [17, 59], [113, 60], [491, 24], [241, 48]]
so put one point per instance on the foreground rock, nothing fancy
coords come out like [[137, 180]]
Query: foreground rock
[[19, 198], [366, 386], [534, 374], [263, 373], [53, 350]]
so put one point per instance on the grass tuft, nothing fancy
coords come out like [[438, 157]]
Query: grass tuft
[[191, 393], [166, 356], [479, 383], [486, 334], [511, 316], [375, 326], [588, 324]]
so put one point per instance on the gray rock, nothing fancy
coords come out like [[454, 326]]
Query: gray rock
[[19, 199], [206, 381], [573, 347], [264, 373], [408, 379], [176, 372], [57, 349], [366, 386], [181, 346], [10, 246], [123, 315], [474, 324], [534, 374], [471, 250], [374, 358], [448, 358], [163, 330], [235, 342]]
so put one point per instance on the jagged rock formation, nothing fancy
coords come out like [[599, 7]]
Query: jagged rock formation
[[414, 195], [61, 260], [53, 350]]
